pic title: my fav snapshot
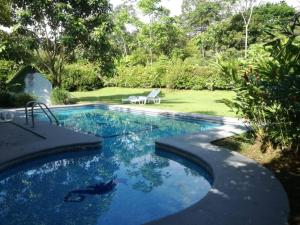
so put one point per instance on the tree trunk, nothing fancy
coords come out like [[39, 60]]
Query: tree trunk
[[203, 51], [246, 41], [151, 53], [125, 53]]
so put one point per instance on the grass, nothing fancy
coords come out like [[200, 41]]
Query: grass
[[202, 102], [285, 166]]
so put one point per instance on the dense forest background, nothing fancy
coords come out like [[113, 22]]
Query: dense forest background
[[85, 45]]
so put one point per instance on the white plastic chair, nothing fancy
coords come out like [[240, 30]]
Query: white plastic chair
[[152, 96]]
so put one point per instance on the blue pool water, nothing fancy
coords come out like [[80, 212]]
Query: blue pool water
[[148, 183]]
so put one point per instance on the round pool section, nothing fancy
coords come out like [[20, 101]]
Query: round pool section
[[127, 181]]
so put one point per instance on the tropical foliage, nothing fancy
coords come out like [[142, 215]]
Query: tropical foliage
[[268, 92], [61, 96]]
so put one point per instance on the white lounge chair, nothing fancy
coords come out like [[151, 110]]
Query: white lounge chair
[[130, 99], [152, 96], [134, 100]]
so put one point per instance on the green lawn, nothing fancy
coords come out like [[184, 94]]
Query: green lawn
[[204, 102]]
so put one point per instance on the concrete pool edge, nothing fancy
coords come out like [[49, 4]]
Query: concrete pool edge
[[51, 140], [243, 191], [132, 108]]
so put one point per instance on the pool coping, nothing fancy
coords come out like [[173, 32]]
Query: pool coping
[[130, 108], [243, 192]]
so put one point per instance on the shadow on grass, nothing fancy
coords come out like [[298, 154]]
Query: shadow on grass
[[235, 143], [205, 112], [117, 99], [221, 101], [109, 98]]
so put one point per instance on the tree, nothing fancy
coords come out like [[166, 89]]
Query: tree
[[62, 26], [209, 40], [198, 15], [152, 8], [5, 11], [230, 33], [269, 15], [164, 36], [154, 11], [125, 19], [246, 12], [18, 46]]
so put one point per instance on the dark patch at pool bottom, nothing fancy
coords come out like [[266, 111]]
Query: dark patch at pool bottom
[[99, 189]]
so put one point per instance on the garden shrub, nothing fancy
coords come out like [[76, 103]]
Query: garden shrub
[[81, 76], [20, 99], [225, 70], [7, 70], [5, 99], [148, 76], [9, 99], [174, 74], [184, 75], [268, 91], [61, 96]]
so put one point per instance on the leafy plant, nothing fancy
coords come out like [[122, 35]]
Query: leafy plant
[[7, 70], [171, 73], [5, 99], [61, 27], [81, 76], [9, 99], [268, 93], [20, 99], [61, 96]]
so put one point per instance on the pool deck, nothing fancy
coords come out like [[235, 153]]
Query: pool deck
[[20, 142], [243, 191]]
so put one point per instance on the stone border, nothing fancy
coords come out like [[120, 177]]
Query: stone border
[[243, 191], [133, 108]]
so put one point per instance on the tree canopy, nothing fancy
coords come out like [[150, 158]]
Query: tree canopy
[[55, 33], [61, 28]]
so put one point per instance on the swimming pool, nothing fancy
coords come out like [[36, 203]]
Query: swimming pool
[[147, 183]]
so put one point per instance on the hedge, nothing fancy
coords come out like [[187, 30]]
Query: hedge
[[171, 74]]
